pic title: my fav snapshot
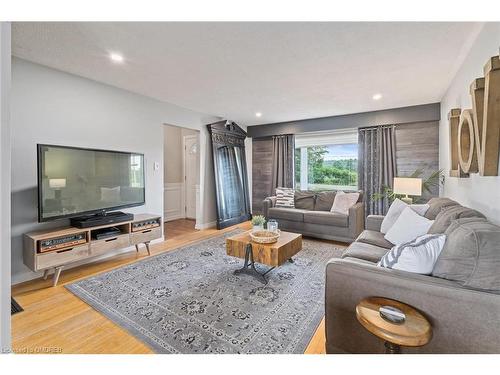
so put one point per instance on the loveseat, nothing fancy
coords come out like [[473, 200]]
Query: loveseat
[[462, 305], [312, 217]]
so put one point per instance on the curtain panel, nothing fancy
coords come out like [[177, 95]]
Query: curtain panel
[[283, 162], [376, 165]]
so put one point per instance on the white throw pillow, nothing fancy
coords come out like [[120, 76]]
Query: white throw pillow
[[408, 226], [344, 201], [395, 210], [417, 256], [285, 197]]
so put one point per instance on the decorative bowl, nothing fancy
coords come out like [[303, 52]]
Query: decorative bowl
[[265, 236]]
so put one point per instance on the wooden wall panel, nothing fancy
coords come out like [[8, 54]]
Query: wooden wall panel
[[262, 149], [417, 146]]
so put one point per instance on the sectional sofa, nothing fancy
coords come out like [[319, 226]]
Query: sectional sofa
[[461, 298]]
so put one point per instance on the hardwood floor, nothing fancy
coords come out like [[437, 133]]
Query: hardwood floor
[[178, 228], [56, 321]]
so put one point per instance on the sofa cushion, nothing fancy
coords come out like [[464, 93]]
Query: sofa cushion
[[326, 218], [324, 200], [304, 200], [436, 205], [448, 214], [364, 251], [471, 254], [374, 238], [293, 214]]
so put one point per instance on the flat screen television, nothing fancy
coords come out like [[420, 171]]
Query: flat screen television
[[75, 181]]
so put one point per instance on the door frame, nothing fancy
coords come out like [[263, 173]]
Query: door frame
[[185, 192]]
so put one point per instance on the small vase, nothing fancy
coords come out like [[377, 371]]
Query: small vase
[[257, 228]]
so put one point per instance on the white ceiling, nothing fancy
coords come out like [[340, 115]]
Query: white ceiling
[[287, 71]]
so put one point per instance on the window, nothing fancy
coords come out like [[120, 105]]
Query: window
[[326, 161]]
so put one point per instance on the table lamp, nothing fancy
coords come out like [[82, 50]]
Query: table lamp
[[57, 184], [407, 186]]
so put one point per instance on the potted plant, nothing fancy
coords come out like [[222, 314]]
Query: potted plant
[[258, 222], [428, 184]]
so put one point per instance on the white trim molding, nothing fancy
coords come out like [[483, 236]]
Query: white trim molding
[[174, 201], [210, 225]]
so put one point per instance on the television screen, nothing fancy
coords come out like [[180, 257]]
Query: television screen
[[75, 181]]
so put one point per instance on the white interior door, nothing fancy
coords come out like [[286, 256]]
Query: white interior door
[[191, 173]]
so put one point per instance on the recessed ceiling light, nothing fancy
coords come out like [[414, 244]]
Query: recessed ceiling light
[[116, 57], [377, 96], [258, 114]]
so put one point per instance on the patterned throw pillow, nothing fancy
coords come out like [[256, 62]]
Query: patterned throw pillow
[[417, 256], [285, 197]]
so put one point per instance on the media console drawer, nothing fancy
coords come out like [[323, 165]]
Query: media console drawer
[[56, 258], [98, 247], [145, 235]]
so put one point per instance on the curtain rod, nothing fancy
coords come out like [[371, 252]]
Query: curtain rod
[[374, 127]]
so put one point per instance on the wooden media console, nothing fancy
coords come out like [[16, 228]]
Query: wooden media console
[[54, 249]]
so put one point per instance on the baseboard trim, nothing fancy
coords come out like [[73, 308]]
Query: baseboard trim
[[202, 226]]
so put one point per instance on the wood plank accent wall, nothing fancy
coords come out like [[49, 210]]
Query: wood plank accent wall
[[417, 146], [262, 159]]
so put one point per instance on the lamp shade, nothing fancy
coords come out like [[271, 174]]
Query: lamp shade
[[408, 186], [57, 183]]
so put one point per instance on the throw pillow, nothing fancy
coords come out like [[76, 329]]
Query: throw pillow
[[285, 197], [470, 256], [344, 201], [408, 226], [304, 200], [417, 256], [395, 210], [324, 201]]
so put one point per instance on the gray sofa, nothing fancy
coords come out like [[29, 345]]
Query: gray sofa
[[312, 217], [463, 307]]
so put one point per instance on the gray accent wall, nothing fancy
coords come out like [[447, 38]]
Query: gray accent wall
[[262, 159], [404, 115], [50, 106], [417, 146]]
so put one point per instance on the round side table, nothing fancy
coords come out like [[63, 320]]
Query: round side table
[[414, 331]]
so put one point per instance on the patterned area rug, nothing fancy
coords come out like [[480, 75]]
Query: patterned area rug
[[188, 300]]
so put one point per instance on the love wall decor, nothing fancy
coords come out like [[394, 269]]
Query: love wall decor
[[475, 133]]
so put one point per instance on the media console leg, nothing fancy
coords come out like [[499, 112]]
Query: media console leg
[[137, 247], [45, 274], [147, 247], [57, 273]]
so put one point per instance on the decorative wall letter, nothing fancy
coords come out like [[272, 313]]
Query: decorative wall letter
[[475, 133], [490, 144]]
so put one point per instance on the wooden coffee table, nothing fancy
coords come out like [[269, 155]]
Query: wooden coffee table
[[272, 255], [414, 331]]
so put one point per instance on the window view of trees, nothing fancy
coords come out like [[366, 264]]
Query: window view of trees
[[328, 167]]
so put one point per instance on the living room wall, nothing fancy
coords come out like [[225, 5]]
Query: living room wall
[[417, 147], [481, 193], [50, 106]]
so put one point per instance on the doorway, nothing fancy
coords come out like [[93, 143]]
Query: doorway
[[181, 174]]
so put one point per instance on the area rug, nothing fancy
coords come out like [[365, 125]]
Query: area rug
[[189, 301]]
